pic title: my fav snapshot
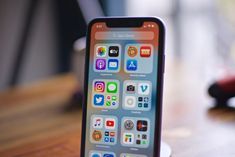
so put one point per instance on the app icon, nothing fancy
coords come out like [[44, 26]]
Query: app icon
[[106, 139], [97, 122], [144, 142], [108, 97], [108, 155], [114, 98], [112, 134], [110, 123], [112, 87], [143, 88], [142, 125], [132, 51], [112, 64], [97, 135], [101, 51], [99, 86], [98, 100], [113, 51], [131, 65], [129, 124], [138, 142], [130, 102], [146, 99], [112, 140], [140, 99], [144, 136], [114, 103], [108, 103], [128, 138], [106, 133], [130, 88], [132, 155], [100, 64], [145, 51], [96, 155]]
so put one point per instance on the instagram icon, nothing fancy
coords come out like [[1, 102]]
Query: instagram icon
[[99, 86]]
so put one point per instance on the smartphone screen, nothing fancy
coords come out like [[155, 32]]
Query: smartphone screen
[[123, 88]]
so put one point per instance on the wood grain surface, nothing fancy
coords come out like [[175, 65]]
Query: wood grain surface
[[34, 120]]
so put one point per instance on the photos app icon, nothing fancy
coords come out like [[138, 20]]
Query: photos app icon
[[101, 51]]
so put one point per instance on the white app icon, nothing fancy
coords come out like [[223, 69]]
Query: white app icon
[[130, 101], [128, 138], [97, 122], [143, 88]]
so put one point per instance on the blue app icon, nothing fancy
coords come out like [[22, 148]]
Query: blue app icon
[[106, 139], [108, 155], [131, 65], [112, 140], [95, 155], [98, 100], [112, 64]]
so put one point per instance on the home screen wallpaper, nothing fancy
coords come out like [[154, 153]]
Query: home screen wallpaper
[[122, 83]]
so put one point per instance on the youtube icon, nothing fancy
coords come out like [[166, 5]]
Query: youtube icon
[[110, 123]]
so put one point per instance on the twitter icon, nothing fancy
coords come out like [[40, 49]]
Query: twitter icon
[[98, 100]]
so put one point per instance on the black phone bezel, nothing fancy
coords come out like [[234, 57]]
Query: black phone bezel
[[129, 22]]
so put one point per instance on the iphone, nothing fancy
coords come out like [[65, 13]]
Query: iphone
[[123, 87]]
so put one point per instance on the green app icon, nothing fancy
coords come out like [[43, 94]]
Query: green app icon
[[112, 87], [114, 98], [144, 142], [108, 103]]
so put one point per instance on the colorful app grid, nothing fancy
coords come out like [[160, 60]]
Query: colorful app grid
[[135, 132], [105, 94], [137, 95], [103, 129], [131, 155], [138, 58], [95, 153], [107, 58]]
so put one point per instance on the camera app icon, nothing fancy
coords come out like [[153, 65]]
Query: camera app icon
[[130, 88]]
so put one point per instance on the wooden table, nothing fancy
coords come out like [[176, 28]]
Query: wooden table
[[34, 120]]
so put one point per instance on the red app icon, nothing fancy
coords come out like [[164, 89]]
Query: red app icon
[[109, 123], [145, 51], [112, 134], [142, 125]]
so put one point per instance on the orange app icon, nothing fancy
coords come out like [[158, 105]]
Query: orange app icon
[[132, 51], [97, 135], [145, 51]]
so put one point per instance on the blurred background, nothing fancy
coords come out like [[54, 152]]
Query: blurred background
[[42, 45], [37, 37]]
